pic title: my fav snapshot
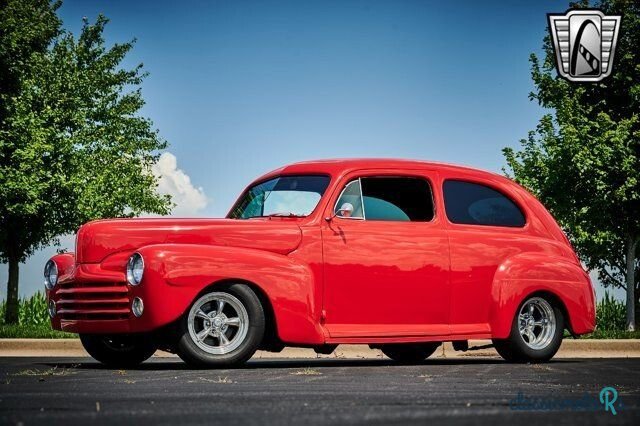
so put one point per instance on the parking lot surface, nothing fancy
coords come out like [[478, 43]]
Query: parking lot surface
[[320, 391]]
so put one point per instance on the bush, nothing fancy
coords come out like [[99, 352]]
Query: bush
[[610, 314], [33, 320], [32, 311]]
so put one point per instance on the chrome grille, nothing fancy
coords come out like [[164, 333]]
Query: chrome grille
[[93, 301]]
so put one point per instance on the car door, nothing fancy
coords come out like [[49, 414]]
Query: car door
[[486, 226], [386, 257]]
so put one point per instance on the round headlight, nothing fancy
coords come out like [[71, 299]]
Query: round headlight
[[135, 269], [50, 274], [52, 308]]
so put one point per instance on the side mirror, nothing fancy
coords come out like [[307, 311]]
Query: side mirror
[[346, 210]]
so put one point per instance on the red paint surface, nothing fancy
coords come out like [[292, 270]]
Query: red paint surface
[[375, 281]]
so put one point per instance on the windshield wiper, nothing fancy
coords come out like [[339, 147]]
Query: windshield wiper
[[285, 214], [278, 214]]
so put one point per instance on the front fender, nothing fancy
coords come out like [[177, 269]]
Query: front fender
[[176, 273], [530, 273]]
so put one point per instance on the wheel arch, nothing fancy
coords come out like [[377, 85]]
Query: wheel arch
[[176, 274], [271, 337], [501, 321], [560, 280]]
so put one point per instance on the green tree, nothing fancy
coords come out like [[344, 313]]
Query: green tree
[[583, 159], [73, 146]]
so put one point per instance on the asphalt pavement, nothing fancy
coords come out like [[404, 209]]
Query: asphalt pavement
[[320, 391]]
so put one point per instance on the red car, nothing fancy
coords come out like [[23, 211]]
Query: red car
[[398, 255]]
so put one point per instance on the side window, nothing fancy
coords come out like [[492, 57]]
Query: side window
[[397, 198], [404, 199], [475, 204], [349, 204]]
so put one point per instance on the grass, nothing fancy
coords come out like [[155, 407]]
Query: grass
[[306, 372], [611, 319], [54, 371], [220, 380], [612, 334], [33, 320], [32, 332]]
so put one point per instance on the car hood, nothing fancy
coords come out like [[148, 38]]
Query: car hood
[[99, 239]]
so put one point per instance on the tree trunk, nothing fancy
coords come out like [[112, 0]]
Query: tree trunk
[[637, 287], [631, 285], [11, 313]]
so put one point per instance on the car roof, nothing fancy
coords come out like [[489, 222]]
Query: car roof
[[339, 166]]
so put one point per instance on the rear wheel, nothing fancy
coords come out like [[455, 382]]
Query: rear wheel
[[222, 328], [409, 352], [120, 350], [536, 332]]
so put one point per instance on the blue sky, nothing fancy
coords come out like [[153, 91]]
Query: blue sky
[[238, 88]]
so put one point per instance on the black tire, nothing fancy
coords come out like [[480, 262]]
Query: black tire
[[503, 347], [196, 356], [119, 350], [516, 349], [409, 353]]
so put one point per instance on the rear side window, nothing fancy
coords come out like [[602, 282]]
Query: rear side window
[[401, 199], [475, 204]]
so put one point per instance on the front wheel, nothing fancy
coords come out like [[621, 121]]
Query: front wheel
[[408, 353], [119, 350], [536, 332], [222, 328]]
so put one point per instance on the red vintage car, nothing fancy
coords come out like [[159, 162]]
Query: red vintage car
[[398, 255]]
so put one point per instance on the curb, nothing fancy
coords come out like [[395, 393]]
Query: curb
[[587, 348]]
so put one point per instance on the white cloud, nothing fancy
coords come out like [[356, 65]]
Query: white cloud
[[189, 199]]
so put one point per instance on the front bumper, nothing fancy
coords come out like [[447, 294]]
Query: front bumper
[[92, 299]]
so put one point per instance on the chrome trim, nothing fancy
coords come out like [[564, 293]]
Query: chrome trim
[[47, 274], [536, 323], [51, 308], [334, 213], [141, 307], [211, 329], [129, 270], [364, 212]]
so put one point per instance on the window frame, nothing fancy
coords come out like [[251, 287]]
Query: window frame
[[506, 195], [364, 213], [381, 174]]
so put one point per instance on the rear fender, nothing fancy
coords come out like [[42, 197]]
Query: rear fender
[[526, 274]]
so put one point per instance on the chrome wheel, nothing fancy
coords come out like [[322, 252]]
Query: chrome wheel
[[218, 323], [537, 323]]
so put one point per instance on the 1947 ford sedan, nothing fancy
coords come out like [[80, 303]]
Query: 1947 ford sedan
[[398, 255]]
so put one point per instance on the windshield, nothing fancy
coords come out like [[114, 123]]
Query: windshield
[[288, 196]]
